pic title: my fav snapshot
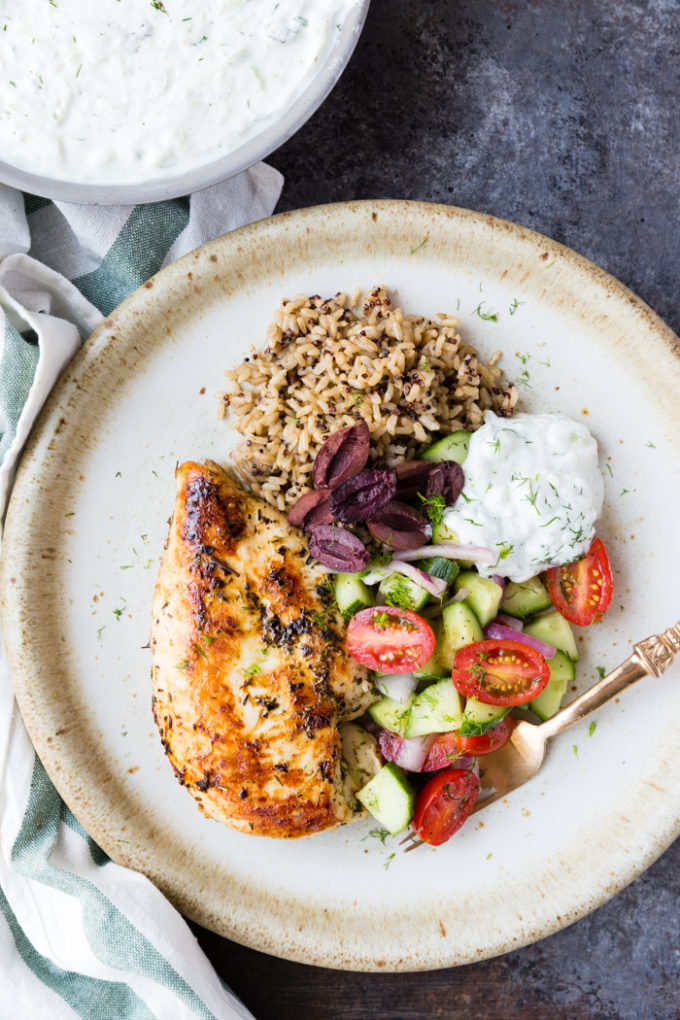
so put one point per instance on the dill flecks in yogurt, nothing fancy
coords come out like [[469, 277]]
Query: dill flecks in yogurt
[[533, 491], [121, 91]]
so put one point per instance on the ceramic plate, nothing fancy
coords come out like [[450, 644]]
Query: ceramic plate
[[87, 524]]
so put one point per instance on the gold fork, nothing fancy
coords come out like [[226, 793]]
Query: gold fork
[[521, 758]]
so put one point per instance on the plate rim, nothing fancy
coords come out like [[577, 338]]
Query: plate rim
[[304, 218]]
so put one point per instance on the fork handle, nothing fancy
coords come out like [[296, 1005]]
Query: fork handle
[[650, 657]]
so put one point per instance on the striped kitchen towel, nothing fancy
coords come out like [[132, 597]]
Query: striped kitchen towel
[[81, 936]]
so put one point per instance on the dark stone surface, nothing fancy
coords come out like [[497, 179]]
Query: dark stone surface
[[561, 115], [620, 963], [564, 116]]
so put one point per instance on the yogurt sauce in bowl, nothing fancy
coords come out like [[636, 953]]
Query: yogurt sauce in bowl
[[533, 491], [122, 91]]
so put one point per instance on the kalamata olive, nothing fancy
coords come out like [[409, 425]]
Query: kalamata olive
[[412, 476], [321, 514], [399, 526], [364, 495], [445, 479], [307, 507], [343, 455], [338, 549]]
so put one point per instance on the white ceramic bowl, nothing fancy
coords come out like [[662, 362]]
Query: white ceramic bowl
[[188, 181]]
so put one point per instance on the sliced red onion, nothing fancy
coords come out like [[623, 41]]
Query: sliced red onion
[[451, 551], [434, 585], [389, 744], [499, 580], [439, 758], [413, 752], [510, 621], [398, 686], [499, 632], [419, 754]]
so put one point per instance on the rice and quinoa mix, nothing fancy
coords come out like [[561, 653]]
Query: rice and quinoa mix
[[329, 363]]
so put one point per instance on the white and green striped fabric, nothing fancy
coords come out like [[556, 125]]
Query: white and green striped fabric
[[81, 936]]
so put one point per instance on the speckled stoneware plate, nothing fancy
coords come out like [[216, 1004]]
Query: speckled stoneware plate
[[88, 520]]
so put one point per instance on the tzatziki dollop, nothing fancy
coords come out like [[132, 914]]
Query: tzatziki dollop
[[533, 491], [123, 91]]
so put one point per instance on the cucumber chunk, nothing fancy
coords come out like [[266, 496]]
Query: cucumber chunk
[[441, 534], [438, 566], [351, 594], [478, 717], [458, 626], [435, 666], [524, 598], [554, 630], [397, 590], [452, 447], [484, 596], [461, 627], [437, 709], [390, 798], [562, 673], [392, 715]]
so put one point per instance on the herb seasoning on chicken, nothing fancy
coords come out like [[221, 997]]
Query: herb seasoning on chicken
[[250, 674]]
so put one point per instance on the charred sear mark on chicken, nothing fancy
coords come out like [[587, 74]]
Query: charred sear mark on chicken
[[250, 674]]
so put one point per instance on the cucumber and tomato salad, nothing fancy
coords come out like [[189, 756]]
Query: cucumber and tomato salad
[[467, 715]]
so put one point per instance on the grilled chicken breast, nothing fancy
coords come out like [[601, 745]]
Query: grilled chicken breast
[[250, 675]]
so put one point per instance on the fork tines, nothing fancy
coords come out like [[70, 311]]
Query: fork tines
[[413, 840]]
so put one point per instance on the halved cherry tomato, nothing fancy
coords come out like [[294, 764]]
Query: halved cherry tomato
[[500, 672], [488, 742], [444, 803], [448, 749], [582, 591], [389, 639]]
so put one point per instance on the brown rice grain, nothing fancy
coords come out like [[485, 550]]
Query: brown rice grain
[[330, 363]]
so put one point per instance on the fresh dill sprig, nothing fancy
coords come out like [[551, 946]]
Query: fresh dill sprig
[[487, 316], [380, 834], [400, 594], [433, 506]]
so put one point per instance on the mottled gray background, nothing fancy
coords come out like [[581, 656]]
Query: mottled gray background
[[563, 116]]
